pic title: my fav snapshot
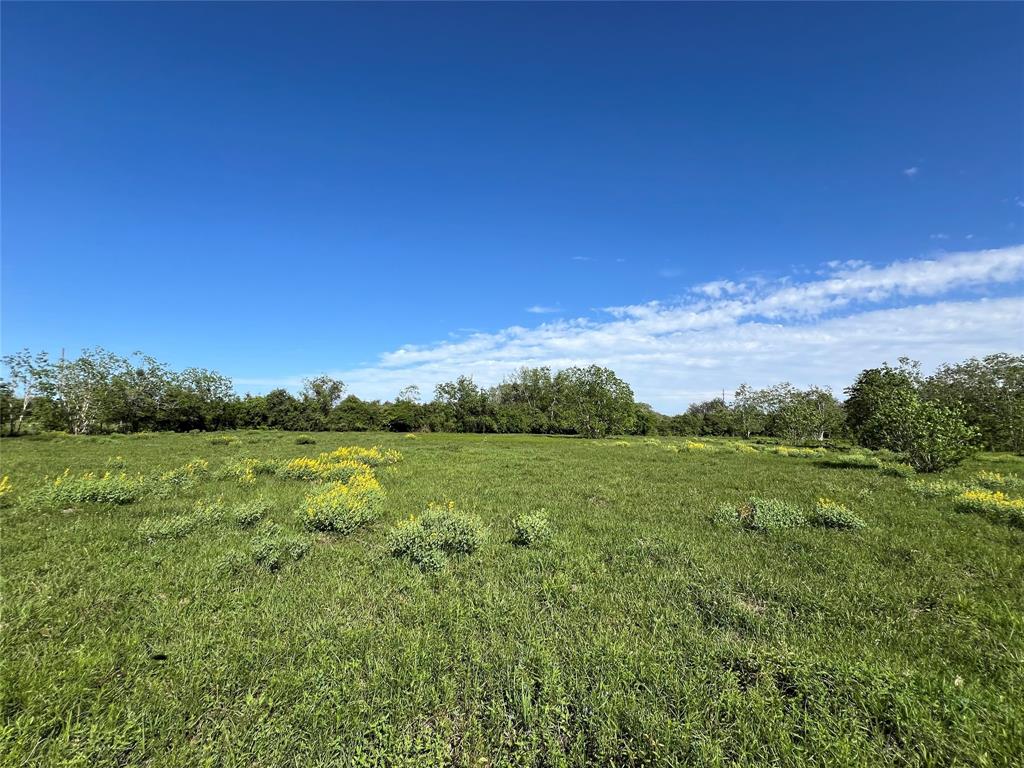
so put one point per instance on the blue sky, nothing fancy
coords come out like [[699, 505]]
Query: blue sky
[[386, 191]]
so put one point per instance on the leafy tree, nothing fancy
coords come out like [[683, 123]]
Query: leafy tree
[[990, 391], [320, 395], [871, 389], [811, 414], [594, 402], [27, 373], [931, 436]]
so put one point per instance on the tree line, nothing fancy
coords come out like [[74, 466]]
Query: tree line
[[99, 391]]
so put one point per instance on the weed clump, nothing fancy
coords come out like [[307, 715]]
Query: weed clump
[[183, 478], [996, 481], [271, 548], [831, 514], [305, 440], [249, 513], [224, 440], [90, 488], [937, 488], [531, 529], [440, 532], [6, 491], [758, 514], [995, 505], [245, 471]]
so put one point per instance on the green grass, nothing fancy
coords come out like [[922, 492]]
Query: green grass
[[641, 633]]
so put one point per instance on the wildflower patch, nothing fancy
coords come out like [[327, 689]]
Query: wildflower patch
[[995, 505]]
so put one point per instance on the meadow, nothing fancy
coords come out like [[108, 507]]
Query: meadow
[[602, 602]]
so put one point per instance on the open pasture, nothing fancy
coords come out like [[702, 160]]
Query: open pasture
[[196, 616]]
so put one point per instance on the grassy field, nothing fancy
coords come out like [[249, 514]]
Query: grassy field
[[641, 634]]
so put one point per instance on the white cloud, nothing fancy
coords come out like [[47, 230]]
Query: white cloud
[[760, 332], [537, 309], [939, 236], [911, 172]]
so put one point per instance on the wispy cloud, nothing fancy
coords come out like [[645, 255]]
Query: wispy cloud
[[939, 236], [820, 331], [581, 258], [537, 309], [911, 172]]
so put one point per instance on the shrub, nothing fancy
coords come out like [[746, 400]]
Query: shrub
[[224, 440], [831, 514], [249, 513], [799, 453], [6, 491], [305, 440], [931, 437], [692, 445], [440, 532], [182, 478], [89, 487], [271, 548], [761, 515], [116, 462], [531, 529], [176, 527], [321, 469], [937, 488], [246, 470], [993, 504], [344, 507], [996, 481], [371, 457]]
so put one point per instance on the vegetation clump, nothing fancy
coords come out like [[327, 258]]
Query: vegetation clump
[[439, 533], [831, 514], [997, 481], [271, 548], [6, 491], [937, 488], [531, 529], [91, 488], [995, 505], [343, 507], [305, 440], [249, 513]]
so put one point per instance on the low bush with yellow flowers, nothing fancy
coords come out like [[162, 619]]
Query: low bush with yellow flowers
[[996, 481], [6, 491], [993, 504], [342, 507]]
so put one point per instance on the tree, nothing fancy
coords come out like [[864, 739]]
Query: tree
[[27, 373], [750, 409], [811, 414], [930, 436], [594, 402], [990, 391], [871, 389], [323, 393]]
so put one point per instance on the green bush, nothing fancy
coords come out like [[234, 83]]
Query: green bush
[[831, 514], [938, 488], [305, 440], [90, 488], [249, 513], [768, 515], [531, 529], [271, 548], [440, 532], [224, 440]]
